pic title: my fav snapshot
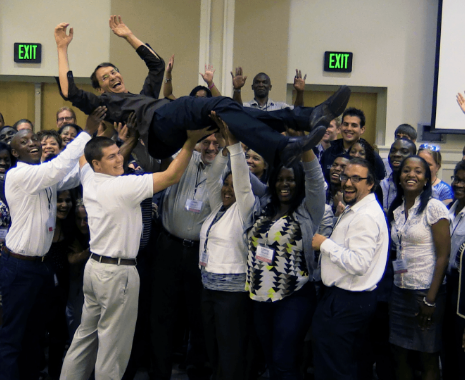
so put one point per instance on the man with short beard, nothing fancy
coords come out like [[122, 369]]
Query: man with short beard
[[352, 263]]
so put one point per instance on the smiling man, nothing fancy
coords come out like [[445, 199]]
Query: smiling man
[[353, 260], [111, 281], [26, 276]]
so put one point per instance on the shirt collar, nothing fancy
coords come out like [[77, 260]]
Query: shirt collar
[[401, 209], [368, 199], [452, 211], [269, 103]]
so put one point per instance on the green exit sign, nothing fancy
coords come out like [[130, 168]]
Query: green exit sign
[[339, 62], [28, 53]]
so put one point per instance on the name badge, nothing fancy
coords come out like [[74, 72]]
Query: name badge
[[204, 259], [400, 266], [3, 232], [265, 254], [193, 206], [50, 223]]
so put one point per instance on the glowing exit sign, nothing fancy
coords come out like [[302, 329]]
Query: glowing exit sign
[[339, 62], [27, 53]]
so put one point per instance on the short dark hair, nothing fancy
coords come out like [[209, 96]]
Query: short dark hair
[[369, 151], [45, 134], [15, 125], [93, 149], [67, 109], [93, 77], [261, 73], [198, 88], [406, 129], [4, 146], [460, 166], [75, 126], [351, 111], [409, 142], [371, 177]]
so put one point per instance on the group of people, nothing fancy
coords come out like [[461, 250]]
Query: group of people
[[249, 221]]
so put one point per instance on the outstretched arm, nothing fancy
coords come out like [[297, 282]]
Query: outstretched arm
[[299, 85], [119, 28], [238, 83], [461, 101], [208, 78], [63, 40], [168, 85]]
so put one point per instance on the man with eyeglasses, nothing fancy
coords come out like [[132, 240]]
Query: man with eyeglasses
[[353, 260], [65, 115]]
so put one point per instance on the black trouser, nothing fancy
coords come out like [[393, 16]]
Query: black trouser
[[340, 323], [175, 272], [226, 320], [259, 130], [453, 355]]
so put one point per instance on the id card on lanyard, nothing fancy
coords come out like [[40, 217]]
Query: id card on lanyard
[[50, 224]]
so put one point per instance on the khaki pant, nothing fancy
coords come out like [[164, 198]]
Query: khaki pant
[[104, 338]]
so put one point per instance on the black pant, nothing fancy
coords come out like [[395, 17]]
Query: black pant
[[453, 355], [175, 273], [340, 324], [259, 130], [226, 319]]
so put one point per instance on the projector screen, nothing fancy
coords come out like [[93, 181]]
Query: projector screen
[[447, 116]]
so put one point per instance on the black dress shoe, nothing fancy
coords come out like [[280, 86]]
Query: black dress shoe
[[330, 108], [292, 152]]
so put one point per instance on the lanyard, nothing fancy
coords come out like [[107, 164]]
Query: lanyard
[[453, 231], [197, 183], [49, 198], [218, 216]]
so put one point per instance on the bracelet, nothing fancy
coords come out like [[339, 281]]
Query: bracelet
[[168, 80], [237, 90], [210, 87], [428, 304]]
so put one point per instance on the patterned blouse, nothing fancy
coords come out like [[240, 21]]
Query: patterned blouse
[[442, 191], [414, 242], [5, 221], [287, 272]]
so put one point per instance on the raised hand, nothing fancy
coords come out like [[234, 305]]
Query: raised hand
[[299, 82], [208, 76], [62, 39], [196, 135], [170, 65], [238, 79], [119, 27], [95, 118], [461, 101]]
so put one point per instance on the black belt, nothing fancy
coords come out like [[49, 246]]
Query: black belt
[[185, 242], [8, 252], [113, 260]]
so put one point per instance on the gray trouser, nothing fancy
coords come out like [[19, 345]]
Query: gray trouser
[[104, 337]]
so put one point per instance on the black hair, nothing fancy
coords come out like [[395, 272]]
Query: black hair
[[93, 149], [460, 166], [93, 77], [75, 126], [406, 129], [424, 196], [344, 155], [198, 88], [272, 208], [371, 177], [15, 125], [51, 133], [351, 111], [369, 151], [6, 147], [267, 76], [409, 142]]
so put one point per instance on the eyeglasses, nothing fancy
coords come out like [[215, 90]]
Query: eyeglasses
[[457, 180], [112, 72], [67, 118], [434, 148], [353, 179]]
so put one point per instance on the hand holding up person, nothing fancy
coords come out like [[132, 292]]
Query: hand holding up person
[[95, 119]]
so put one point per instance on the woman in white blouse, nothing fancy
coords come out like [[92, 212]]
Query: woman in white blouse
[[420, 232], [223, 260]]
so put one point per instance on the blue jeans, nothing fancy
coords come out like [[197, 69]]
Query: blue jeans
[[25, 287], [281, 327]]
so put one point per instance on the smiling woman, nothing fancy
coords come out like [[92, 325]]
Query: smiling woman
[[51, 144]]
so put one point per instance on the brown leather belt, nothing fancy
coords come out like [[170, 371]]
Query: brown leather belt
[[23, 257], [113, 260]]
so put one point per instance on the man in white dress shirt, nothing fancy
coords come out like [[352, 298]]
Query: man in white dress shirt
[[353, 261], [26, 277], [111, 282]]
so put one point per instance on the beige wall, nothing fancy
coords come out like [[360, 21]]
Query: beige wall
[[169, 27], [261, 43]]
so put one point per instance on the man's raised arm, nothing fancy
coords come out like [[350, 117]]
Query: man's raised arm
[[63, 40]]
